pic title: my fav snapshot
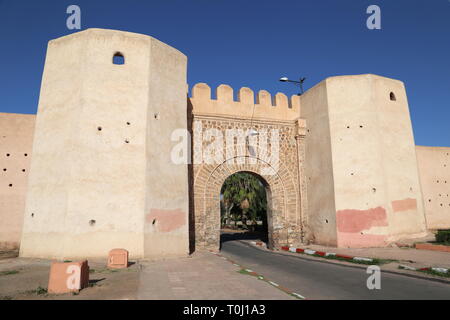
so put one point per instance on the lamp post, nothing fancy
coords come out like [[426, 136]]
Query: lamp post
[[300, 83]]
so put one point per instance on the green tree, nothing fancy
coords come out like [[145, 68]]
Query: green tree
[[243, 198]]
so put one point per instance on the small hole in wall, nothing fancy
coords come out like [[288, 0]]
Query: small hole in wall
[[92, 222], [32, 215], [374, 190], [10, 185], [352, 174], [348, 127], [99, 128], [4, 169], [23, 170], [128, 123], [7, 154], [441, 204], [392, 96], [127, 141], [154, 220], [360, 126], [25, 154], [156, 116], [429, 200], [326, 220]]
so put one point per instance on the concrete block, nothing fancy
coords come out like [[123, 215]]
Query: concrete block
[[118, 259], [68, 276]]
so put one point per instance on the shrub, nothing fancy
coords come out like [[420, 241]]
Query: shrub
[[443, 236]]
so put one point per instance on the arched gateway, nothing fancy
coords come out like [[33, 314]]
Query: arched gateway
[[235, 136]]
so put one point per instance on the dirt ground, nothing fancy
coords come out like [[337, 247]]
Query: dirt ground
[[25, 279]]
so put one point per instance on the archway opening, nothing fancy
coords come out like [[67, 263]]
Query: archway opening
[[244, 208]]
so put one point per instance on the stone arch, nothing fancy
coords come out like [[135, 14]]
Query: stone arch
[[283, 200]]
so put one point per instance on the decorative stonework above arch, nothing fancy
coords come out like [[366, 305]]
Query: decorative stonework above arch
[[282, 200]]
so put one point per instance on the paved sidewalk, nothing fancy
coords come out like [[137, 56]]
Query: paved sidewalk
[[203, 276]]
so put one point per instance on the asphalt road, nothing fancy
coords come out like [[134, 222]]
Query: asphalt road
[[324, 280]]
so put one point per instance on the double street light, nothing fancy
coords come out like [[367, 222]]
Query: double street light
[[300, 83]]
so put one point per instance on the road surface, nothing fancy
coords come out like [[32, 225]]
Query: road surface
[[324, 280]]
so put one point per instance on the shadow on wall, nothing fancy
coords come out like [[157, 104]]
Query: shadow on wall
[[191, 180]]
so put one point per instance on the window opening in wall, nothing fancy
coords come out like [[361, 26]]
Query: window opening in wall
[[392, 96], [118, 58]]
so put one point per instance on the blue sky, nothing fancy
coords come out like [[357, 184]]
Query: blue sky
[[253, 43]]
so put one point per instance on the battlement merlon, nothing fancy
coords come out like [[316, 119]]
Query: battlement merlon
[[280, 107]]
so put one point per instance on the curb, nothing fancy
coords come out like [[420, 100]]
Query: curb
[[418, 275], [346, 257], [436, 269], [258, 243], [325, 254]]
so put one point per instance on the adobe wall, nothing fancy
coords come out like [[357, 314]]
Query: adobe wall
[[102, 176], [319, 167], [361, 143], [248, 105], [16, 139], [287, 193], [95, 179], [434, 172]]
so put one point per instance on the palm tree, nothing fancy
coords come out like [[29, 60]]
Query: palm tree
[[243, 191]]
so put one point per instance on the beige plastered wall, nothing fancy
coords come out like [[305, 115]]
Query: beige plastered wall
[[16, 139], [93, 175], [434, 171], [373, 167]]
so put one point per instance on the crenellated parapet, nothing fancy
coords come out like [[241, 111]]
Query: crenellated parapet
[[262, 106]]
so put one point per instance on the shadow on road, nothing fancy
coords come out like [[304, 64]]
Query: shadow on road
[[248, 235]]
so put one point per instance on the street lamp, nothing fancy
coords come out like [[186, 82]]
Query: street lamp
[[285, 79]]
